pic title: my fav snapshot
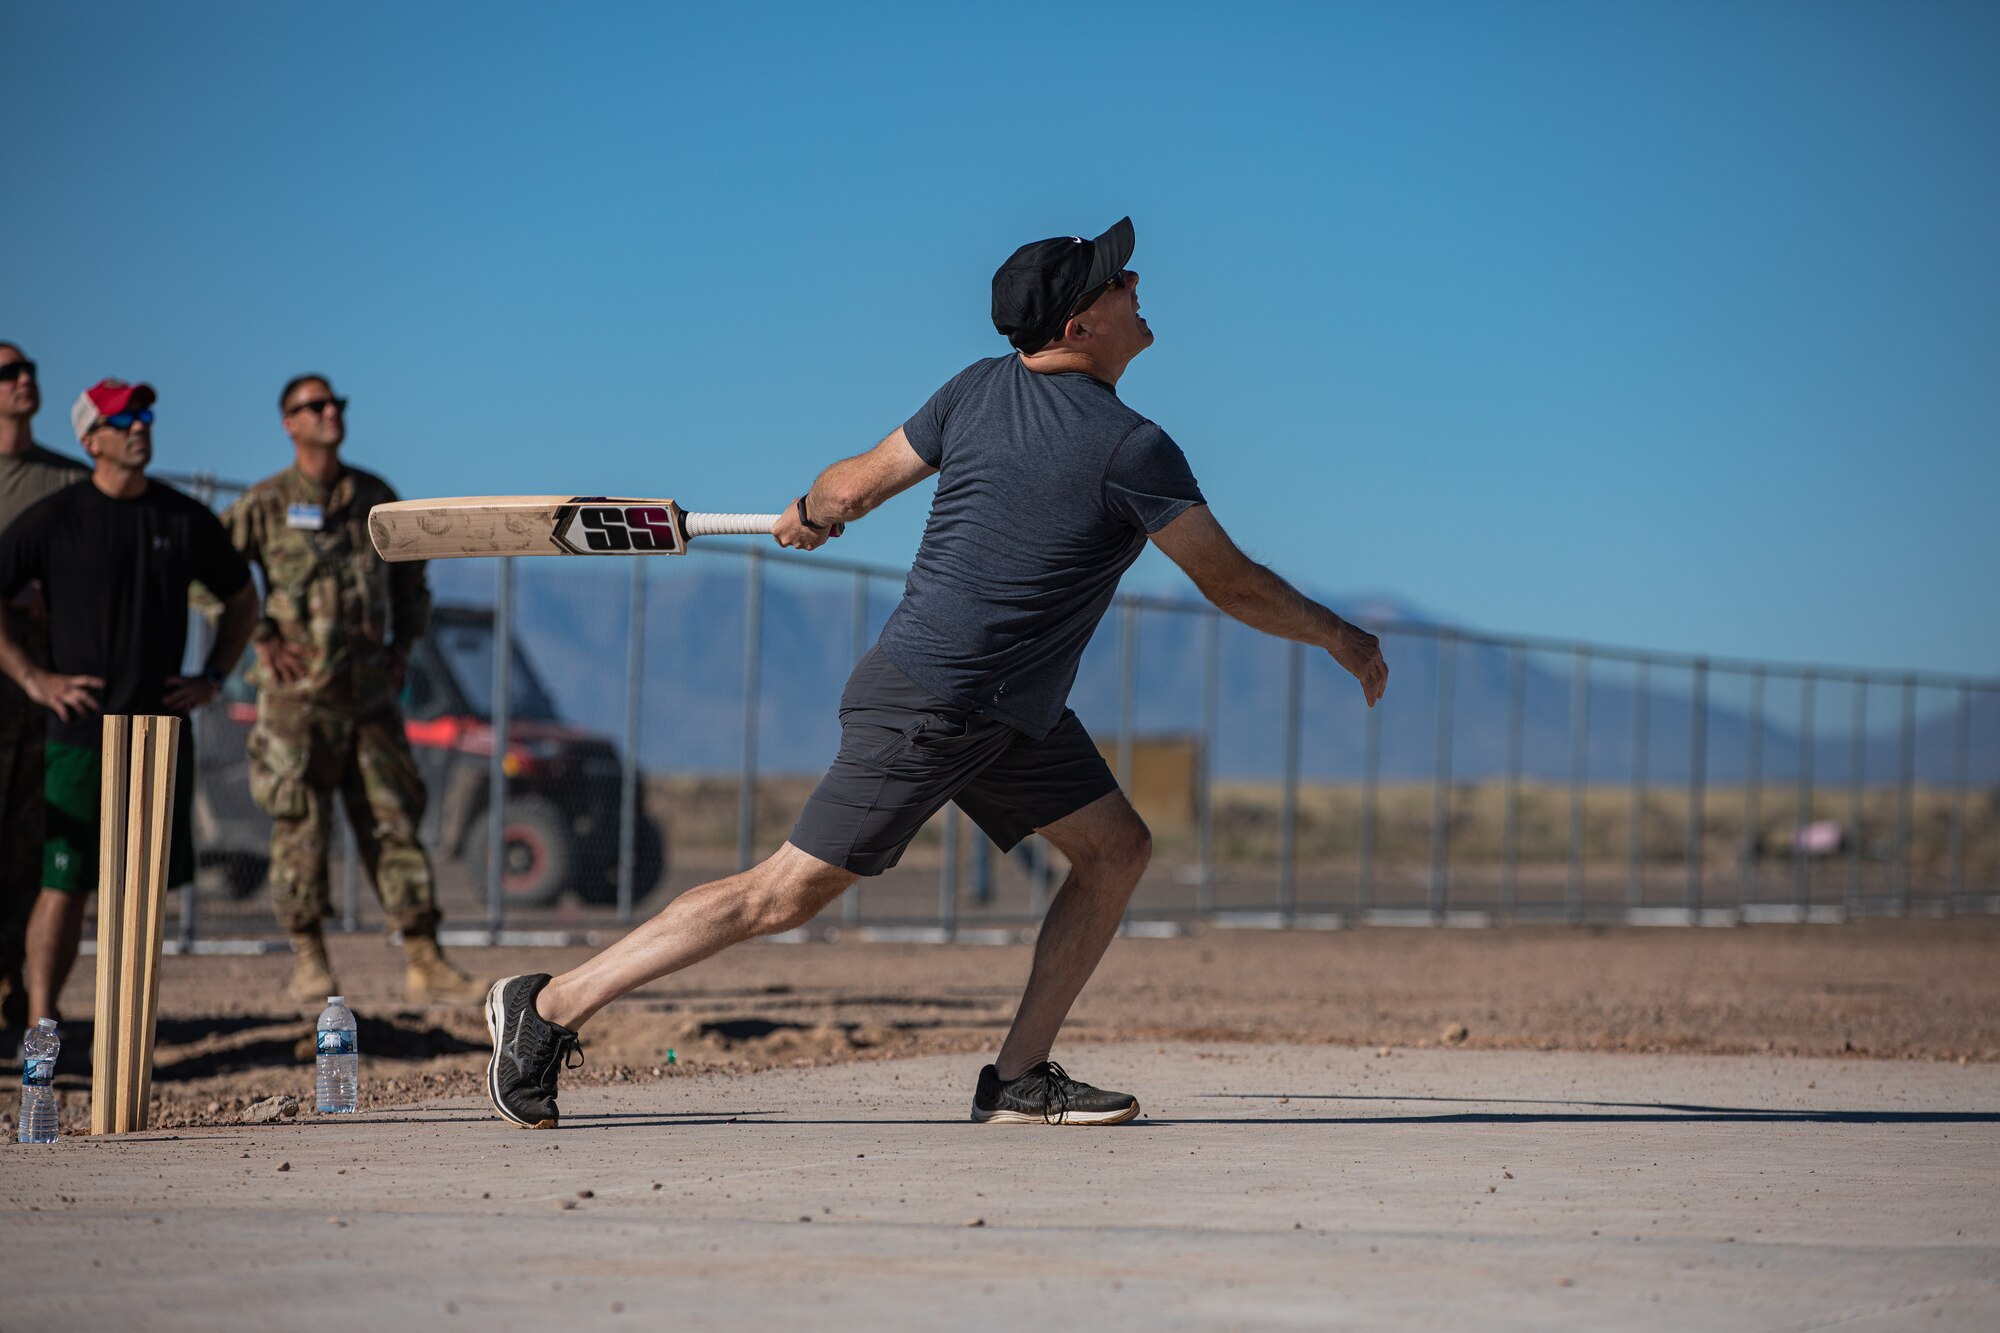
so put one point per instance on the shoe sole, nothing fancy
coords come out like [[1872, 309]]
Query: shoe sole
[[496, 1011], [1066, 1118]]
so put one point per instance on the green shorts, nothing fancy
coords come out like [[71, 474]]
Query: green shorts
[[73, 785]]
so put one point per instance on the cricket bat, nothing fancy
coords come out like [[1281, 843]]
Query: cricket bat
[[476, 525]]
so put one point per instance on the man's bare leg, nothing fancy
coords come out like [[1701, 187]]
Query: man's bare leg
[[55, 931], [784, 891], [1108, 847]]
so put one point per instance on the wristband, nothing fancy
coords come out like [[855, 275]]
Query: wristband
[[832, 529]]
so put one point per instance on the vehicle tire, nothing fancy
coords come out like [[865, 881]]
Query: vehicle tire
[[649, 868], [538, 853]]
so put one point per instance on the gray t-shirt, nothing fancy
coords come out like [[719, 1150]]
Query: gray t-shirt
[[26, 478], [1048, 486]]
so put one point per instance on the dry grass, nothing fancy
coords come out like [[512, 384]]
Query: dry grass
[[702, 812]]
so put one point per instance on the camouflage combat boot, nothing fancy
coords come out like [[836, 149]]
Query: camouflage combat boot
[[312, 976], [430, 979]]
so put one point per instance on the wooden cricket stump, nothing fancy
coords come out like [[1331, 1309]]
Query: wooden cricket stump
[[135, 835]]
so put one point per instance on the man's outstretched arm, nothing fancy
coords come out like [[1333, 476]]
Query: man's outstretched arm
[[1248, 591], [851, 488]]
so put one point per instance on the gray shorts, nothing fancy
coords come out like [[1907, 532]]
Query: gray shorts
[[904, 752]]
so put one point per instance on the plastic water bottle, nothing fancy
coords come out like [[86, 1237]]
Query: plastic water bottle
[[339, 1073], [38, 1077]]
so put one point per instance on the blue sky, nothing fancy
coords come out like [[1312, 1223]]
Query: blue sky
[[1671, 325]]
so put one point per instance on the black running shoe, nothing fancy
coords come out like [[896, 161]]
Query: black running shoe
[[1045, 1095], [528, 1052]]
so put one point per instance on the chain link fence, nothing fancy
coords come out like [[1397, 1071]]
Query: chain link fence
[[644, 726]]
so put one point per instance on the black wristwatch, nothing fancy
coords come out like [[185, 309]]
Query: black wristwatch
[[805, 518], [215, 677]]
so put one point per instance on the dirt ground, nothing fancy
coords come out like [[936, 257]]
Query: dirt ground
[[1868, 990]]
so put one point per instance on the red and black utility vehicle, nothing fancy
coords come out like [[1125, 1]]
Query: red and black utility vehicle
[[562, 813]]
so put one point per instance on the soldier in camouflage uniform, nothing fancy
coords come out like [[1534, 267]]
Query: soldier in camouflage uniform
[[332, 646]]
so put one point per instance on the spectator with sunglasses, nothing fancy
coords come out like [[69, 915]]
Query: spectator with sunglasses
[[332, 645], [115, 559], [28, 472]]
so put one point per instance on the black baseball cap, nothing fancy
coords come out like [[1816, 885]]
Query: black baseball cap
[[1035, 288]]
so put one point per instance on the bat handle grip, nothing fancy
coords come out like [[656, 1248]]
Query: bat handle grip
[[730, 525]]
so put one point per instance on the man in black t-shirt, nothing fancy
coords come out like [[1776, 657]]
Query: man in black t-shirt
[[1049, 487], [115, 558]]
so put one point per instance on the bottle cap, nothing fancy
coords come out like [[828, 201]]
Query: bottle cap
[[336, 999], [47, 1025]]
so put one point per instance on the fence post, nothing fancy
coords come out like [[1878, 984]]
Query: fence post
[[979, 858], [1801, 859], [198, 731], [1635, 870], [753, 664], [1288, 812], [188, 911], [1441, 774], [1857, 766], [1753, 781], [1211, 692], [1906, 779], [1960, 763], [1697, 785], [350, 875], [630, 803], [1510, 835], [202, 487], [1579, 759], [857, 648], [496, 768], [857, 629], [1371, 779], [948, 873]]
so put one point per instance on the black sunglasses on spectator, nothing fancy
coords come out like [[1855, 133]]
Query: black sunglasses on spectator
[[316, 405], [1090, 298], [13, 370]]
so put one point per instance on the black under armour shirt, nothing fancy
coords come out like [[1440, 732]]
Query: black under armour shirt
[[116, 575]]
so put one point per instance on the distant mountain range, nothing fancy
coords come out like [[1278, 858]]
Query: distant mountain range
[[570, 617]]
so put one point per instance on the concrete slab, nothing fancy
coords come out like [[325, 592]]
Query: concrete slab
[[1268, 1187]]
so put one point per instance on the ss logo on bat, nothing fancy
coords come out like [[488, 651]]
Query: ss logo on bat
[[610, 529]]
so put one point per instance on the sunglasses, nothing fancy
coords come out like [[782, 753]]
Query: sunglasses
[[125, 420], [1090, 298], [13, 370], [316, 405]]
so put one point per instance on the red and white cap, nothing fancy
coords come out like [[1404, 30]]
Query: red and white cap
[[107, 398]]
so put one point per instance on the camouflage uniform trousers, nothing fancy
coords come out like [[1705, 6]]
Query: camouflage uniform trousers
[[24, 732], [300, 756]]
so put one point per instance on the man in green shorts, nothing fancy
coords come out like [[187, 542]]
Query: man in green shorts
[[28, 472], [115, 559]]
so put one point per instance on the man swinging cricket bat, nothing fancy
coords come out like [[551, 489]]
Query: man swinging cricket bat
[[963, 698]]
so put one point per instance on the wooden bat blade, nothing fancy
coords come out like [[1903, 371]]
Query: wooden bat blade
[[476, 525], [483, 525]]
